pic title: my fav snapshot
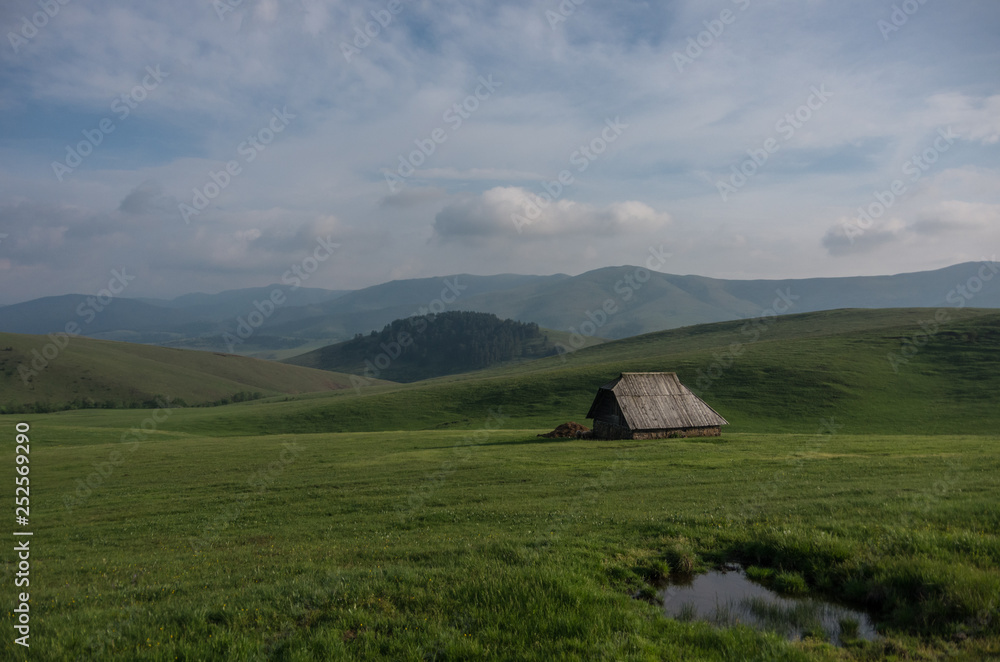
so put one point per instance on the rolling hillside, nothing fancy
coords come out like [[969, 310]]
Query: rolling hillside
[[103, 373], [440, 516], [792, 375]]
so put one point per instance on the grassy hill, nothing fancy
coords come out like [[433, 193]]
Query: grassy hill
[[102, 373], [789, 375], [420, 348], [428, 521]]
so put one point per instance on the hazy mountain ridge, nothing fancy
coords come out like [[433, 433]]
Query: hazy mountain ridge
[[611, 302]]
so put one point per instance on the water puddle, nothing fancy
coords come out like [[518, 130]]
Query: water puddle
[[726, 598]]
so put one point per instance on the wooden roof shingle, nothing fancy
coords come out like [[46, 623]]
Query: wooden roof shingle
[[657, 401]]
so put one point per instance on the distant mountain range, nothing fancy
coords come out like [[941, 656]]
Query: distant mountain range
[[613, 302]]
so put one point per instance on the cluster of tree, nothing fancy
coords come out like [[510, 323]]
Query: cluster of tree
[[155, 402], [241, 396], [433, 345], [42, 407]]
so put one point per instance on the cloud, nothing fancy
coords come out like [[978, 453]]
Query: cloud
[[510, 211], [847, 238], [946, 223], [936, 226], [84, 244], [148, 198], [37, 233], [413, 197], [973, 118], [560, 84], [956, 216], [274, 237], [485, 174]]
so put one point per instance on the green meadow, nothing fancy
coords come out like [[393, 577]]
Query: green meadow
[[52, 373], [428, 521]]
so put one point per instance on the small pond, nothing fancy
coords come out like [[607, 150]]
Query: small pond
[[727, 597]]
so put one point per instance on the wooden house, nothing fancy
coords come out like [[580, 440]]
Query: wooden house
[[651, 405]]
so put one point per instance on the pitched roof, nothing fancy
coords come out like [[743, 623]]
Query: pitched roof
[[656, 401]]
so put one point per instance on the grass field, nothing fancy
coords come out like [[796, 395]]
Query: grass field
[[429, 521], [421, 545], [55, 371]]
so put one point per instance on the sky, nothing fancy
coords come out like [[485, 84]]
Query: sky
[[205, 146]]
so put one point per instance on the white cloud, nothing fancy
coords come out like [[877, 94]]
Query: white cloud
[[949, 225], [514, 212], [973, 118]]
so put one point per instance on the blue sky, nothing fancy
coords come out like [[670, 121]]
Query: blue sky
[[647, 110]]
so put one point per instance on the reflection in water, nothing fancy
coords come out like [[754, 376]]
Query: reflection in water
[[726, 598]]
